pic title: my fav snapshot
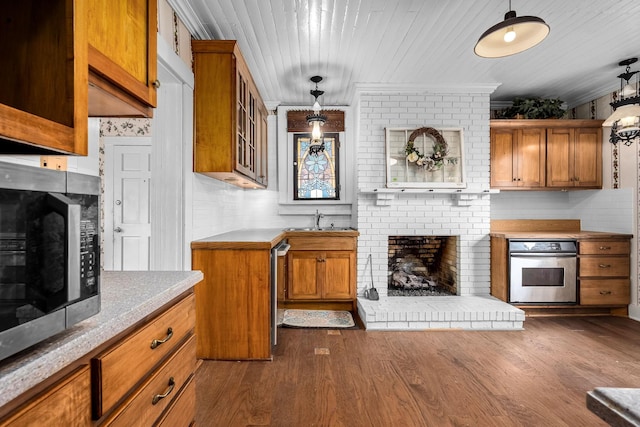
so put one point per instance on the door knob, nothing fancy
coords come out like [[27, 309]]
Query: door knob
[[118, 202], [118, 230]]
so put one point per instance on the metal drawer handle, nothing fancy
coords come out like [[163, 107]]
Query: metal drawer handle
[[604, 248], [156, 343], [604, 265], [158, 397], [605, 292]]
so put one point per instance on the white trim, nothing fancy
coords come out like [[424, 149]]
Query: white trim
[[288, 206], [173, 64]]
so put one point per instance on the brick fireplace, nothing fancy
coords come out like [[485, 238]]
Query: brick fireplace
[[382, 214], [422, 266]]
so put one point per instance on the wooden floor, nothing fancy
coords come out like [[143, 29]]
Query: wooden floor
[[535, 377]]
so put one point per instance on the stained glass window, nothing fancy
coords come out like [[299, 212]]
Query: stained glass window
[[316, 173]]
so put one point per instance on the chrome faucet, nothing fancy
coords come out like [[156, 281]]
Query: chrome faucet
[[316, 218]]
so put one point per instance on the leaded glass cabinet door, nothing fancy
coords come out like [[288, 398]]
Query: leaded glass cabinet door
[[316, 175]]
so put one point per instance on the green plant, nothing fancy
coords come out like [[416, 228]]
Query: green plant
[[534, 108]]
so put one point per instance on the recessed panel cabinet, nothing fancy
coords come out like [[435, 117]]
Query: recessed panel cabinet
[[546, 154], [44, 77], [321, 269], [122, 58], [517, 157], [230, 116]]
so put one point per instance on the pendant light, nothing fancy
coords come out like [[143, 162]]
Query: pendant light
[[625, 120], [511, 36], [316, 120]]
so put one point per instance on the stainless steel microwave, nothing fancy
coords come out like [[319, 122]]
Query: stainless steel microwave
[[49, 253]]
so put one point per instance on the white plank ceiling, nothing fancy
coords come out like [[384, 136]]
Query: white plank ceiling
[[419, 42]]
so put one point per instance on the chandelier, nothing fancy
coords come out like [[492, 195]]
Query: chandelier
[[316, 120], [625, 120]]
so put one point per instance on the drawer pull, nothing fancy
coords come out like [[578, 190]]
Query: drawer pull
[[158, 397], [604, 265], [605, 292], [156, 343], [605, 248]]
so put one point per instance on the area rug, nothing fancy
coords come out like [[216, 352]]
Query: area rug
[[317, 319]]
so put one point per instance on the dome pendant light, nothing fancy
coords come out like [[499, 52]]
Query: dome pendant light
[[511, 36]]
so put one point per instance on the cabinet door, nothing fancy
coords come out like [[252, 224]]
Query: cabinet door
[[246, 132], [68, 403], [303, 277], [503, 158], [44, 77], [518, 158], [588, 157], [123, 52], [560, 158], [338, 275], [531, 151]]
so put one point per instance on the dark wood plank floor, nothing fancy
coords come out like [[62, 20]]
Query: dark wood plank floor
[[535, 377]]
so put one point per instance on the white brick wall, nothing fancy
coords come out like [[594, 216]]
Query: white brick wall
[[423, 214]]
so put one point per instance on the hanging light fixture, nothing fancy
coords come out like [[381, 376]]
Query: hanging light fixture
[[316, 120], [625, 120], [511, 36]]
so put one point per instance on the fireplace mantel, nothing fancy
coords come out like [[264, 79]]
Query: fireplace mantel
[[462, 197]]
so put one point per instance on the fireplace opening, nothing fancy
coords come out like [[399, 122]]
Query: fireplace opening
[[422, 266]]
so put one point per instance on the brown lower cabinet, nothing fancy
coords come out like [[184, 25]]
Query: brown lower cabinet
[[142, 377], [320, 271], [604, 272]]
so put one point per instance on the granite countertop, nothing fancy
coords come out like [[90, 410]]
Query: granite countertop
[[126, 298], [581, 234], [264, 238], [617, 406]]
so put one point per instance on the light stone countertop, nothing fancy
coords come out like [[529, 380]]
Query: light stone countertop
[[620, 407], [126, 298]]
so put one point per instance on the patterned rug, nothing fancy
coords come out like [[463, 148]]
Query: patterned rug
[[317, 319]]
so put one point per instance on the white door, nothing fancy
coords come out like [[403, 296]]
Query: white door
[[127, 220]]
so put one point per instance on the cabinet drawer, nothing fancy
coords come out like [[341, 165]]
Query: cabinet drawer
[[604, 267], [182, 411], [145, 405], [322, 243], [604, 292], [604, 247], [68, 403], [118, 370]]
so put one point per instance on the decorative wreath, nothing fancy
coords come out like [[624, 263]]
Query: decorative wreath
[[440, 149]]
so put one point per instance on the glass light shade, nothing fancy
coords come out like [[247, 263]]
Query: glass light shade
[[630, 110], [627, 91], [530, 31], [316, 107], [628, 125], [316, 133]]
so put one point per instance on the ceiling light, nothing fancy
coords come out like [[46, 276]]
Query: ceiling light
[[511, 36], [625, 120], [316, 120]]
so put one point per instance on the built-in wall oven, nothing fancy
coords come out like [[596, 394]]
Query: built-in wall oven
[[542, 271]]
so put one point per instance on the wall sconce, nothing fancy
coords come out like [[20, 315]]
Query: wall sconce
[[511, 36], [625, 120], [316, 120]]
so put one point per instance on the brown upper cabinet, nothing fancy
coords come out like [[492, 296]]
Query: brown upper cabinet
[[546, 154], [44, 77], [517, 157], [122, 57], [230, 116]]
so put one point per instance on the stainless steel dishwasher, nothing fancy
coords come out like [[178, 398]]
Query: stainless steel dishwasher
[[280, 250]]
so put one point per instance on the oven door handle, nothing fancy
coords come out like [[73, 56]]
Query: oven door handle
[[71, 213], [545, 255]]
